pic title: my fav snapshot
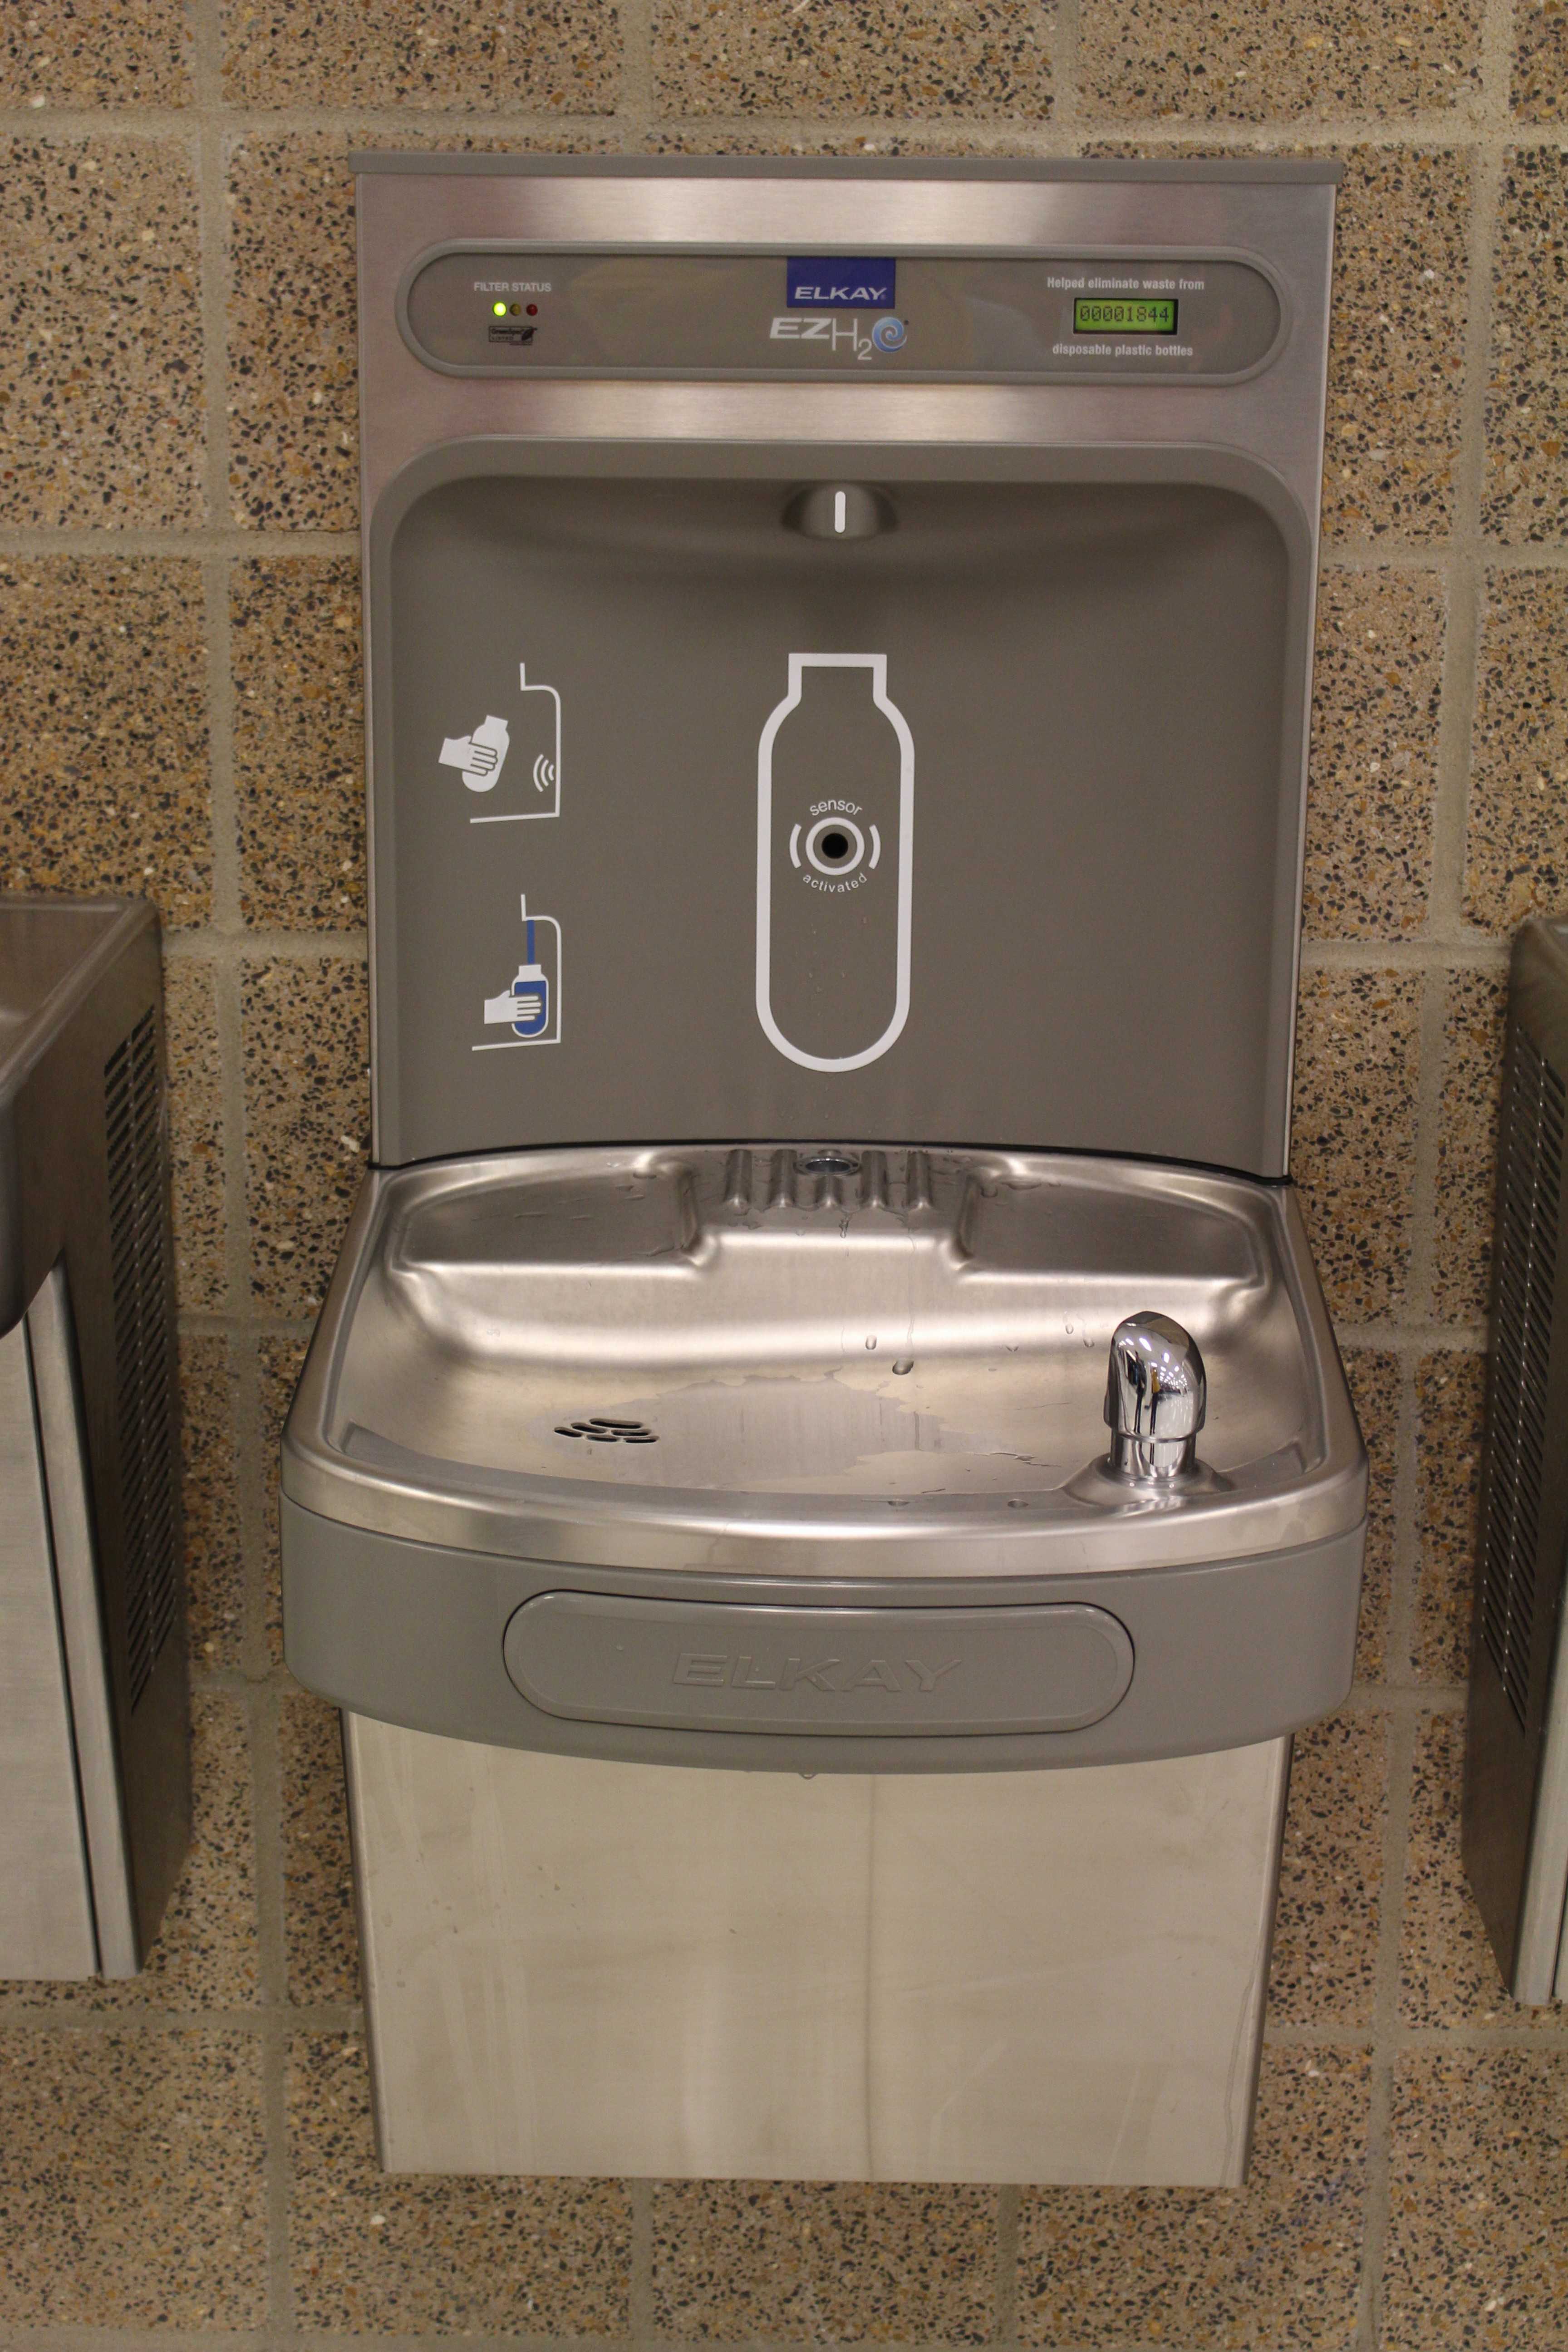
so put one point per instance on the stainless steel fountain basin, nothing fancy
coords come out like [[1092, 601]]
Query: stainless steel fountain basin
[[846, 1379], [753, 1348]]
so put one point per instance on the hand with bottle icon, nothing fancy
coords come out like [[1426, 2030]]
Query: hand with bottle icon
[[479, 756]]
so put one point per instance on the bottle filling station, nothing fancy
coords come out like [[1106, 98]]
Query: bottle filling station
[[823, 1485]]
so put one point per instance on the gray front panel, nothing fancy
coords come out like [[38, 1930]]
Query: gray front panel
[[689, 824], [723, 1666], [511, 309], [1227, 1653]]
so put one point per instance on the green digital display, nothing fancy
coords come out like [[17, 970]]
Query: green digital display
[[1123, 314]]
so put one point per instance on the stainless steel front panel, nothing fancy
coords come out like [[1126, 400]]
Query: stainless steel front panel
[[1277, 415], [591, 1967], [62, 1437], [46, 1898]]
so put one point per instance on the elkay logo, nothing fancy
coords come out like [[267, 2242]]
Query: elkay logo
[[839, 282], [719, 1670]]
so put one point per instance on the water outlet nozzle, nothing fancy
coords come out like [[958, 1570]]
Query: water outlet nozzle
[[1154, 1401]]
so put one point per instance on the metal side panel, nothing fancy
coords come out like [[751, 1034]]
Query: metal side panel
[[46, 1905], [64, 1444], [1516, 1760], [587, 1967]]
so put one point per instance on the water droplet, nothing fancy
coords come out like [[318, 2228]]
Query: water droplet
[[905, 1364]]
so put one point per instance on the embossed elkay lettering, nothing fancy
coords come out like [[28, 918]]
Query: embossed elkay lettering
[[719, 1670]]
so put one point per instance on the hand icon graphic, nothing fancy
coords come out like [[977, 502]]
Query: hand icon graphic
[[479, 756]]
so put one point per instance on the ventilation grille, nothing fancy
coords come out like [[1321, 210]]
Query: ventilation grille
[[145, 1407], [1529, 1197]]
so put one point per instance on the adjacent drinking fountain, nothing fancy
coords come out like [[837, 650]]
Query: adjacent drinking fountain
[[824, 1486]]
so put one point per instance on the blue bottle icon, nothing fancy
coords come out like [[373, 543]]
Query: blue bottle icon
[[529, 991], [530, 1008]]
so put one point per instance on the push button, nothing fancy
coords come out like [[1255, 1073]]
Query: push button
[[730, 1666]]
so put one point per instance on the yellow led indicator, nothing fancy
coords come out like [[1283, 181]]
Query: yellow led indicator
[[499, 309]]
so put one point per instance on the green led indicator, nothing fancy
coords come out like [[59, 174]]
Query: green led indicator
[[1136, 315], [497, 309]]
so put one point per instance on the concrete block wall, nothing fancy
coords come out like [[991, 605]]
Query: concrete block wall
[[186, 2160]]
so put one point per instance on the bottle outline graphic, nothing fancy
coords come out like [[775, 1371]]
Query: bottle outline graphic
[[531, 1006], [798, 666]]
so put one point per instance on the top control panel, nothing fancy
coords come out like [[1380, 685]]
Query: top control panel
[[515, 310]]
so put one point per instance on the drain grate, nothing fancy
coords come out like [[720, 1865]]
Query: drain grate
[[602, 1431]]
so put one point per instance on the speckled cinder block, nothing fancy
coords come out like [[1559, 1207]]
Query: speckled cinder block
[[1330, 1876], [195, 1130], [307, 1056], [279, 1361], [100, 366], [293, 404], [1148, 60], [1516, 848], [1540, 61], [1526, 495], [205, 1953], [214, 1571], [411, 2254], [95, 53], [1377, 678], [130, 2179], [556, 57], [299, 742], [912, 57], [703, 140], [1396, 334], [1353, 1137], [1450, 1397], [103, 743], [1477, 2254], [1374, 1379], [1447, 1975], [1401, 299], [1232, 2270], [320, 1948], [1465, 1206], [820, 2262]]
